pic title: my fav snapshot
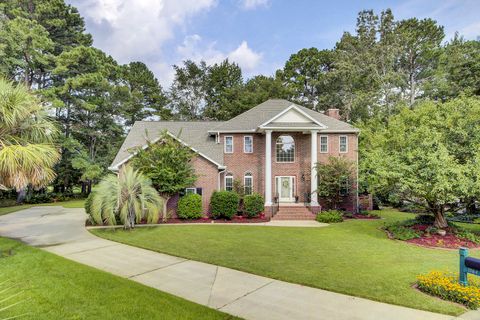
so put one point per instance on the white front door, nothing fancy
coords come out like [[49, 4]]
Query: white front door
[[285, 188]]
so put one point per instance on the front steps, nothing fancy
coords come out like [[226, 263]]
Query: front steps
[[293, 212]]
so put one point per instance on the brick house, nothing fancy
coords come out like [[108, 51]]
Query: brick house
[[271, 149]]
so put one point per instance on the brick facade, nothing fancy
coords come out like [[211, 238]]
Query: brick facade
[[207, 179], [238, 163]]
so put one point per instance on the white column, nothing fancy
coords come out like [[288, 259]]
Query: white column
[[314, 176], [268, 167]]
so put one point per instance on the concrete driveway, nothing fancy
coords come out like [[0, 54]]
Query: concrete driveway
[[61, 231]]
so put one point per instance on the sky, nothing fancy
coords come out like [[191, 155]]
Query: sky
[[259, 35]]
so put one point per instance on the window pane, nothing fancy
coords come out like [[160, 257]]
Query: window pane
[[190, 190], [247, 144], [343, 144], [229, 183], [323, 144], [248, 184], [228, 144], [285, 149]]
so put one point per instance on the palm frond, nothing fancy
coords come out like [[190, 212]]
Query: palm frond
[[128, 197]]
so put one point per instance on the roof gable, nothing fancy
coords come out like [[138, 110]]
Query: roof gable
[[254, 118], [293, 115]]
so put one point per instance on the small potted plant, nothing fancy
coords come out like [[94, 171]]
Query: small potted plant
[[296, 199]]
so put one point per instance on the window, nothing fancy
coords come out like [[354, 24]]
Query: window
[[247, 144], [344, 183], [323, 144], [228, 144], [193, 190], [248, 183], [190, 190], [343, 144], [229, 182], [285, 149]]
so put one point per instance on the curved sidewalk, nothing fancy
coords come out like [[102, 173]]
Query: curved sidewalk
[[61, 231]]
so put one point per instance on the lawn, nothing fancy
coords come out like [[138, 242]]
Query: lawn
[[67, 204], [51, 287], [354, 257]]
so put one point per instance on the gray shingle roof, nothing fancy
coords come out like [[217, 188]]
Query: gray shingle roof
[[251, 119], [195, 134]]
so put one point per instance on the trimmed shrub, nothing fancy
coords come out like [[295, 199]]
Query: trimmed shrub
[[402, 230], [190, 206], [446, 286], [224, 204], [330, 216], [253, 204]]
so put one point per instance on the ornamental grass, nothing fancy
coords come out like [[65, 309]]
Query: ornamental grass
[[446, 286]]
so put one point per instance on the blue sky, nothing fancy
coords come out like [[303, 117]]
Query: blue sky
[[259, 35]]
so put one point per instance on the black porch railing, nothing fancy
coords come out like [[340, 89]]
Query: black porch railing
[[275, 205]]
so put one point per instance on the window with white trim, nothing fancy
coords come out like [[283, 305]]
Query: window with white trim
[[228, 144], [285, 149], [323, 144], [343, 142], [229, 182], [247, 144], [248, 183], [190, 190]]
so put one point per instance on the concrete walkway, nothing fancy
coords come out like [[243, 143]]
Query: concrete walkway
[[61, 231]]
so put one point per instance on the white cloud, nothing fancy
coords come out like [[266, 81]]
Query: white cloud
[[245, 57], [138, 30], [193, 48], [253, 4]]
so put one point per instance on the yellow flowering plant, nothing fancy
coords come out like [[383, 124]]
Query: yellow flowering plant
[[445, 285]]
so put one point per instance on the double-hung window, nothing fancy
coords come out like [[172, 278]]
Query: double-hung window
[[228, 148], [248, 183], [323, 144], [229, 182], [343, 144], [247, 144]]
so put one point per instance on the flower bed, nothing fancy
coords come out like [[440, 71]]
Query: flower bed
[[363, 216], [424, 234], [445, 285], [236, 219]]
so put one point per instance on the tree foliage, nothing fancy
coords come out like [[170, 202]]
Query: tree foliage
[[335, 180], [428, 155], [27, 151], [168, 164]]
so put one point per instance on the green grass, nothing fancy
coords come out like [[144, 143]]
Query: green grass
[[67, 204], [52, 287], [354, 257]]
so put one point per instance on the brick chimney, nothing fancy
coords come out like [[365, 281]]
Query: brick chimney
[[334, 113]]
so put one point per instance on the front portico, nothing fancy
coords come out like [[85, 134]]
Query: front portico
[[291, 152]]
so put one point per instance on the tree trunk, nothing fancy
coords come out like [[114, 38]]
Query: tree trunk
[[165, 203], [89, 186], [21, 194], [84, 188], [440, 221]]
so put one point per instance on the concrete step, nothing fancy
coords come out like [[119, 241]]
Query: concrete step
[[294, 217]]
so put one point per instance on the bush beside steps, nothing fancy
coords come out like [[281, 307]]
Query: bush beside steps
[[330, 216]]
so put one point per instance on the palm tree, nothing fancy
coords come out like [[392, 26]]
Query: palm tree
[[128, 196], [27, 152]]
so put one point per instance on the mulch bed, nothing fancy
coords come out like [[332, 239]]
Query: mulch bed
[[365, 217], [206, 220], [448, 241], [210, 220]]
